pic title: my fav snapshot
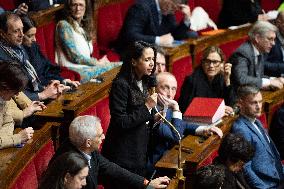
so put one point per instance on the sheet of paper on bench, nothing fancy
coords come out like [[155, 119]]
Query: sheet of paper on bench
[[240, 26], [205, 110], [174, 44]]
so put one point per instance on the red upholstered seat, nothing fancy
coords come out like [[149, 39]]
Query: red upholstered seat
[[229, 47], [209, 160], [181, 68], [263, 120], [270, 4], [8, 4]]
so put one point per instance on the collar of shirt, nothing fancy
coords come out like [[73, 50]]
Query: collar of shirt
[[255, 51], [88, 157]]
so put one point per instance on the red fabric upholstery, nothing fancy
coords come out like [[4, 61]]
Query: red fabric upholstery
[[8, 4], [110, 20], [209, 160], [103, 113], [270, 4], [70, 74], [230, 47], [28, 178], [43, 157], [212, 7], [181, 69]]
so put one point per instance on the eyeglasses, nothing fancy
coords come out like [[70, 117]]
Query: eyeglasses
[[207, 62]]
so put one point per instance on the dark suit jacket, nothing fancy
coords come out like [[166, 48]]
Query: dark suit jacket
[[274, 64], [142, 23], [127, 136], [265, 169], [45, 70], [245, 70], [36, 5], [276, 130], [163, 138], [102, 170], [197, 85], [237, 12]]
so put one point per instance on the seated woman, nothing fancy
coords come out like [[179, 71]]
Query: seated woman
[[67, 171], [211, 79], [22, 108], [74, 41], [8, 88]]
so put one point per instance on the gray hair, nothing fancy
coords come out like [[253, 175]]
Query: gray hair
[[167, 74], [245, 90], [261, 28], [83, 128]]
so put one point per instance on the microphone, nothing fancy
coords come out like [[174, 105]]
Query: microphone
[[179, 171], [152, 83]]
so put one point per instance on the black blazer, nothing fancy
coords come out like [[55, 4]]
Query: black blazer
[[274, 65], [142, 23], [127, 136], [102, 171], [237, 12]]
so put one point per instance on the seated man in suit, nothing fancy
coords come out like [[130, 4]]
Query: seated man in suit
[[160, 61], [248, 59], [12, 81], [11, 48], [274, 66], [153, 21], [85, 138], [265, 169], [163, 137]]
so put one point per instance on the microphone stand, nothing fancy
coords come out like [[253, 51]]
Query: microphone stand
[[179, 170]]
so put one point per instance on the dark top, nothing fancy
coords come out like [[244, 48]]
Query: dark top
[[127, 136], [197, 85], [232, 180], [163, 138], [36, 5], [102, 170], [274, 65], [237, 12], [142, 23], [46, 71]]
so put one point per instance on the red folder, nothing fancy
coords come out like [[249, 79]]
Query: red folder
[[205, 110]]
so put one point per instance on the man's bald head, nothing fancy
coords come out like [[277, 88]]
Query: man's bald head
[[167, 84]]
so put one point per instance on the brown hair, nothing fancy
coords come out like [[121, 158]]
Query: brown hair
[[212, 49]]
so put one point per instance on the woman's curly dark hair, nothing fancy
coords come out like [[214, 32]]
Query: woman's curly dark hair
[[235, 147]]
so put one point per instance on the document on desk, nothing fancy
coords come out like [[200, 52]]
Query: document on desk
[[174, 44]]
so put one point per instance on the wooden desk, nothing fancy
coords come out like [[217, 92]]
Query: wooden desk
[[200, 148], [73, 103], [272, 99], [202, 42], [14, 160]]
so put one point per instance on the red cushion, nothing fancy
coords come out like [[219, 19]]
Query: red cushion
[[181, 68], [90, 111], [103, 113], [27, 179], [229, 47], [70, 74], [8, 4], [42, 158], [209, 159], [110, 19], [270, 4]]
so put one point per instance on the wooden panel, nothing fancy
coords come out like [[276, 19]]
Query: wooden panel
[[14, 160]]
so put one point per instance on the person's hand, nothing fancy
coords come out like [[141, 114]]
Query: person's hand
[[26, 134], [164, 101], [73, 83], [229, 111], [185, 9], [227, 67], [22, 9], [51, 91], [161, 182], [275, 83], [166, 39], [151, 101], [208, 131], [33, 107]]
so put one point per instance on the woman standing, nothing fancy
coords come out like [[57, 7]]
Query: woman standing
[[74, 41], [130, 108]]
